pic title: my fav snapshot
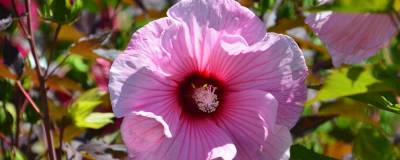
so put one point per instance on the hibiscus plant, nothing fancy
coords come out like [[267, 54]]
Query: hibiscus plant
[[200, 79]]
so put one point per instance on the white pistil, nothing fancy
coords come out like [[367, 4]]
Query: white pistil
[[206, 98]]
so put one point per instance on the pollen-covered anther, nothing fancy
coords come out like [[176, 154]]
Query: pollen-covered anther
[[206, 98]]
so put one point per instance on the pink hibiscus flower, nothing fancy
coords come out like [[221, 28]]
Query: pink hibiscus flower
[[352, 37], [208, 82]]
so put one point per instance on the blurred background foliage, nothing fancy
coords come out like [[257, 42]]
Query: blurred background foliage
[[352, 112]]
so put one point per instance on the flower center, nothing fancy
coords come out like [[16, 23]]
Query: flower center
[[206, 98], [200, 95]]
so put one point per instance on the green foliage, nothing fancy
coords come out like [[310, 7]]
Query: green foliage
[[351, 111], [385, 100], [350, 81], [370, 144], [264, 5], [14, 154], [61, 11], [81, 111], [6, 120], [299, 152], [357, 6]]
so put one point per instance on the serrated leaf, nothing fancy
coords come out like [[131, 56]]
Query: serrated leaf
[[82, 107], [344, 82], [299, 152], [356, 6], [95, 120], [386, 101]]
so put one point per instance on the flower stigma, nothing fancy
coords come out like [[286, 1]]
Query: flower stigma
[[206, 98]]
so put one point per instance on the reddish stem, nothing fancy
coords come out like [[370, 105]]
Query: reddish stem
[[42, 85], [28, 97]]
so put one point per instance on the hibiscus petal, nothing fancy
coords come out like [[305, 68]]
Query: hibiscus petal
[[248, 116], [144, 50], [147, 39], [147, 91], [197, 140], [141, 133], [352, 37], [275, 65], [222, 15], [278, 144], [189, 49]]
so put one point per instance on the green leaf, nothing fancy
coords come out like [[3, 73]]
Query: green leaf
[[299, 152], [61, 11], [350, 81], [262, 6], [81, 110], [95, 120], [382, 100], [14, 154], [6, 120], [356, 6], [370, 144]]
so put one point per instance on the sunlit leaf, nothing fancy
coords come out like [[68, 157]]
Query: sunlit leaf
[[81, 110], [357, 6], [350, 81], [85, 104], [96, 120]]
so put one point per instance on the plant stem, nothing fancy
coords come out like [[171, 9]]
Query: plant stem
[[28, 97], [60, 138], [52, 48], [18, 105], [42, 86]]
